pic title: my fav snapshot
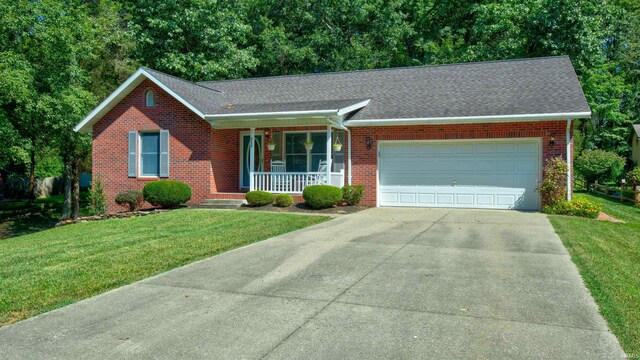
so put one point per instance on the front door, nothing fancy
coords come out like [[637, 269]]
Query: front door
[[245, 157]]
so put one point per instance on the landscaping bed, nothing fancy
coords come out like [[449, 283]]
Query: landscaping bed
[[305, 208]]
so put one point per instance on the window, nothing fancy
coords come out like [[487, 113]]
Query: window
[[150, 99], [299, 160], [295, 152], [150, 154], [276, 154]]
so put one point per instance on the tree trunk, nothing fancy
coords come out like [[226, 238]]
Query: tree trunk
[[75, 181], [32, 173], [68, 177]]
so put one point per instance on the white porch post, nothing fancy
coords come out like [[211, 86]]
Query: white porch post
[[252, 160], [329, 142]]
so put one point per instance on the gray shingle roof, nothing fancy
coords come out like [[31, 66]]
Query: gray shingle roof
[[205, 99], [512, 87]]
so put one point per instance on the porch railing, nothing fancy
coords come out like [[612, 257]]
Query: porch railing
[[294, 182]]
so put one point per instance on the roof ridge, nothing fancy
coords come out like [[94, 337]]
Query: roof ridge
[[384, 69], [181, 79]]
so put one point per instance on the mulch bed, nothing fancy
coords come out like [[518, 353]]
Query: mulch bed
[[604, 217], [120, 215], [304, 208]]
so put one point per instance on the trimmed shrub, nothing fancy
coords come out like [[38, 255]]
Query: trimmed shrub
[[132, 200], [322, 196], [284, 200], [599, 165], [554, 183], [166, 193], [259, 198], [633, 177], [578, 207], [352, 194]]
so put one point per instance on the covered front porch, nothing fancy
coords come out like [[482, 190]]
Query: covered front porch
[[284, 152]]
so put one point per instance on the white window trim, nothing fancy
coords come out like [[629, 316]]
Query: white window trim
[[139, 155]]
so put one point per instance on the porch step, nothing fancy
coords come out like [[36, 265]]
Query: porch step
[[222, 203]]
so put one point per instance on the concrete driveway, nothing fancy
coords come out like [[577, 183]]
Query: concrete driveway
[[382, 283]]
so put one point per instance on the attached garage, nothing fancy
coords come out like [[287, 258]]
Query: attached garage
[[495, 174]]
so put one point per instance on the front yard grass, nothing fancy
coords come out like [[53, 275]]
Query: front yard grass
[[608, 257], [56, 267]]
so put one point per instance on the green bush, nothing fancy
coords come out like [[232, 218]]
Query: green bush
[[97, 197], [599, 165], [578, 207], [259, 198], [322, 196], [352, 194], [132, 200], [284, 200], [166, 193], [554, 182], [633, 177]]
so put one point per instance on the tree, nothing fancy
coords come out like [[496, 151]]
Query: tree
[[599, 165], [193, 39], [46, 46]]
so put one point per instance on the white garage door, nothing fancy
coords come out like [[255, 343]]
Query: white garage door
[[465, 174]]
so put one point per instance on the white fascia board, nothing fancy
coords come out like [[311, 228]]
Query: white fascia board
[[122, 91], [354, 107], [467, 119]]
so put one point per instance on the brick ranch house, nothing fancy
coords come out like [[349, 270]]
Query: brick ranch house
[[472, 135]]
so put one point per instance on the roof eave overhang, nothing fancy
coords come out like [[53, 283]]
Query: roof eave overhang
[[331, 117], [123, 90], [468, 119]]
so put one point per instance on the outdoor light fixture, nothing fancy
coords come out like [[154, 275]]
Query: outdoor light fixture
[[368, 142], [552, 139]]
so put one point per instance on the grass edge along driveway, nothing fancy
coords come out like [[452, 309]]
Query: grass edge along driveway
[[608, 258], [46, 270]]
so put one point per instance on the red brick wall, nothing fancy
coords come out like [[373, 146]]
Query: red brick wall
[[190, 152], [364, 161]]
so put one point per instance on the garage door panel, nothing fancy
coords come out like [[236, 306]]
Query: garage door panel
[[500, 175]]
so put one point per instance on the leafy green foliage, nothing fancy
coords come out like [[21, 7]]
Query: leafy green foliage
[[132, 200], [194, 39], [166, 193], [599, 165], [284, 200], [97, 197], [554, 181], [352, 194], [577, 207], [633, 176], [259, 198], [322, 196]]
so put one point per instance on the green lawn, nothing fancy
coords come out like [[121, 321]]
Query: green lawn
[[52, 268], [608, 257], [20, 217]]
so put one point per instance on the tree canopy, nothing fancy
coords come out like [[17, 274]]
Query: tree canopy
[[58, 58]]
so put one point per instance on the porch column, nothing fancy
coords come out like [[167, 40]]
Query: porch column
[[329, 142], [252, 160]]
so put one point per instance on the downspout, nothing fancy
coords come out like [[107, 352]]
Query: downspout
[[569, 162], [349, 154]]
